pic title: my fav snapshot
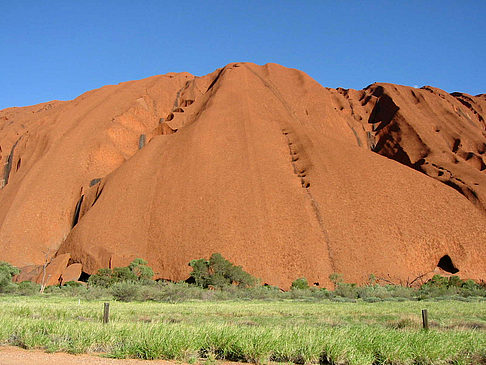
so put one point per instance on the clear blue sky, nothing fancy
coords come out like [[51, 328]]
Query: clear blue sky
[[60, 49]]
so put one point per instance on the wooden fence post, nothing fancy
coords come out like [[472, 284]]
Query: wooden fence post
[[106, 312], [425, 319]]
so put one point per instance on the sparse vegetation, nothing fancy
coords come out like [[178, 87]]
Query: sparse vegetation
[[371, 324], [229, 282]]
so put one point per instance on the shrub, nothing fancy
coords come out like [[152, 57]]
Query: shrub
[[141, 270], [121, 274], [471, 285], [300, 283], [219, 272], [138, 270], [200, 272], [440, 286], [125, 291], [454, 281], [7, 272], [73, 290], [102, 278], [346, 290], [97, 292], [438, 281], [178, 292], [28, 288], [336, 279]]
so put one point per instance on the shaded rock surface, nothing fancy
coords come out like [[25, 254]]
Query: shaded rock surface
[[53, 271], [71, 273], [260, 163]]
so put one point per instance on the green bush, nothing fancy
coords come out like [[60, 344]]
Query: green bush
[[455, 281], [438, 281], [452, 286], [300, 283], [141, 270], [96, 293], [7, 272], [200, 272], [121, 274], [471, 285], [27, 288], [125, 291], [346, 290], [136, 271], [102, 278], [336, 279], [219, 272]]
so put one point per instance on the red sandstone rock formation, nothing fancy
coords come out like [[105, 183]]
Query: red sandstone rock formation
[[260, 163]]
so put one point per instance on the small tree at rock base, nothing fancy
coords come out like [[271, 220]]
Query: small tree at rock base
[[141, 270], [138, 271], [7, 272], [300, 283], [121, 274], [336, 279], [102, 278], [219, 272], [200, 272]]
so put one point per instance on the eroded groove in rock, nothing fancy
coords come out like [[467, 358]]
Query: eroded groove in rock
[[399, 137], [215, 79], [358, 140], [77, 211], [141, 141], [468, 103], [224, 182], [99, 190], [8, 165], [301, 172], [176, 101], [370, 140], [357, 117]]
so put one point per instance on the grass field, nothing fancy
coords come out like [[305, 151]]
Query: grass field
[[284, 331]]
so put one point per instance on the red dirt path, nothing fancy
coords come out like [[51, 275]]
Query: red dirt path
[[10, 355]]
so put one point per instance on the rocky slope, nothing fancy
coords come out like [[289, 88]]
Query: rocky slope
[[260, 163]]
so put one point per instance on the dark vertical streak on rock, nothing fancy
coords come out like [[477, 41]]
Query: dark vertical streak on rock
[[141, 141], [77, 211], [8, 164]]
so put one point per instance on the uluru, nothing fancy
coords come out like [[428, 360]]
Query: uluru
[[281, 175]]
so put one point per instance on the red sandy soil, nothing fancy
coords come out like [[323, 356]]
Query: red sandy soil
[[260, 163], [16, 356]]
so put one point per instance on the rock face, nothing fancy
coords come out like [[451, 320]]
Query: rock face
[[71, 273], [53, 272], [259, 163]]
